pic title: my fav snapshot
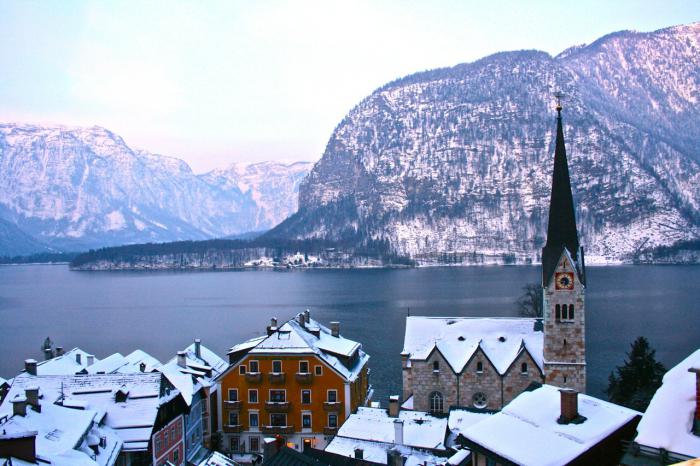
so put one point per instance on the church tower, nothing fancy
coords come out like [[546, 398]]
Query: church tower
[[563, 282]]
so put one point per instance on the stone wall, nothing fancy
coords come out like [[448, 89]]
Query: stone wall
[[487, 382], [515, 381]]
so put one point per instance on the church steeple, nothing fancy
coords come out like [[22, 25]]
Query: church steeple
[[561, 229]]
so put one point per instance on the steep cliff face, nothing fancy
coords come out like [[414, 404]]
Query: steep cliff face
[[454, 165], [75, 188]]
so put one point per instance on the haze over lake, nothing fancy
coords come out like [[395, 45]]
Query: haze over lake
[[162, 312]]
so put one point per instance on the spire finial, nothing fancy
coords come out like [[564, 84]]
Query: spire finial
[[558, 95]]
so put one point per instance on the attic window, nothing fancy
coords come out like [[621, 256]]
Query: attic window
[[461, 338], [436, 366], [284, 335], [479, 367]]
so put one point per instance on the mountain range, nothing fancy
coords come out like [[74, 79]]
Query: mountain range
[[66, 188], [454, 165]]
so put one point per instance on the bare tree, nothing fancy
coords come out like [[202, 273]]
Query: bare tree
[[530, 302]]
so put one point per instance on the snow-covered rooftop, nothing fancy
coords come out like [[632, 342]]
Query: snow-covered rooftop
[[188, 380], [217, 459], [526, 430], [376, 452], [135, 358], [71, 362], [420, 430], [668, 421], [133, 419], [310, 338], [460, 420], [108, 365], [457, 338]]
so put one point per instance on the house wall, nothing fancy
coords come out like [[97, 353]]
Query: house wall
[[193, 425], [319, 385], [168, 443]]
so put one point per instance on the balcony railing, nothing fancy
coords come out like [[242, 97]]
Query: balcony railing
[[276, 377], [277, 406], [233, 405], [278, 429], [331, 405], [304, 378], [253, 377], [330, 430], [233, 428]]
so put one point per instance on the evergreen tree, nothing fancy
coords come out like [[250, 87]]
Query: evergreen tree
[[638, 379]]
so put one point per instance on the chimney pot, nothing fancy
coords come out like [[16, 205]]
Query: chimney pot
[[182, 359], [696, 418], [394, 458], [32, 396], [394, 403], [398, 431], [30, 366], [142, 367], [19, 406], [198, 347], [48, 354], [90, 359], [59, 351], [569, 405], [272, 327], [335, 329]]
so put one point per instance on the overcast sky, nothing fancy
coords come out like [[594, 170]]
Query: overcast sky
[[218, 82]]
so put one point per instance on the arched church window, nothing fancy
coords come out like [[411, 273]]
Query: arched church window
[[557, 310], [479, 367], [571, 311], [436, 402], [479, 400]]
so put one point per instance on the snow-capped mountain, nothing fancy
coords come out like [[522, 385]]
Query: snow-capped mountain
[[454, 165], [74, 188]]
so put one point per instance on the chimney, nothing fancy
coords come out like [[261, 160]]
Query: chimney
[[48, 354], [30, 366], [696, 418], [307, 316], [19, 406], [142, 367], [394, 458], [32, 396], [59, 351], [335, 329], [394, 403], [569, 405], [198, 348], [182, 359], [359, 453], [398, 431], [272, 328], [78, 359], [90, 359]]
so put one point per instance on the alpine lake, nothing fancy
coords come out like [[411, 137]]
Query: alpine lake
[[162, 312]]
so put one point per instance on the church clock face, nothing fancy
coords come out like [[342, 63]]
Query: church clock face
[[564, 281]]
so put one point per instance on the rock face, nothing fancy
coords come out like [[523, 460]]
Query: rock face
[[454, 165], [75, 188]]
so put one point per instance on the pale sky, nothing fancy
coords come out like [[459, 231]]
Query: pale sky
[[217, 82]]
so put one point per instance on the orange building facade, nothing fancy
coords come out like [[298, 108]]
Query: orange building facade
[[300, 382]]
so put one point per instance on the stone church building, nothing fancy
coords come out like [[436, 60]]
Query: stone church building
[[486, 362]]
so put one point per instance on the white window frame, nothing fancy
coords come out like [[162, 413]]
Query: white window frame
[[273, 366], [308, 367], [257, 396], [241, 369], [250, 424], [238, 418], [328, 395], [269, 394], [328, 420], [311, 421], [250, 443], [318, 370], [302, 396], [250, 366], [233, 390]]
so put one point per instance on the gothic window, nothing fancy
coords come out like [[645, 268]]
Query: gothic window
[[523, 368], [436, 366], [436, 402], [479, 367], [557, 310], [479, 400], [571, 311]]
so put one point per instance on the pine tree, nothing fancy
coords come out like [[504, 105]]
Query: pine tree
[[638, 379]]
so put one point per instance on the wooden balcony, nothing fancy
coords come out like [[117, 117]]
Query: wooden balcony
[[276, 378], [330, 430], [331, 406], [304, 378], [253, 377], [277, 429], [277, 406], [232, 405]]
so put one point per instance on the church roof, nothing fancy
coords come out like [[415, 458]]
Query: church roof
[[458, 338], [561, 227]]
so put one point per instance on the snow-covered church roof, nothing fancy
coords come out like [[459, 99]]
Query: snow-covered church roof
[[458, 338]]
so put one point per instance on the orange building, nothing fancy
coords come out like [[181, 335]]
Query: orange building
[[300, 381]]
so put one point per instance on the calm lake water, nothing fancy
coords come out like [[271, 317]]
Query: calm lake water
[[161, 312]]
